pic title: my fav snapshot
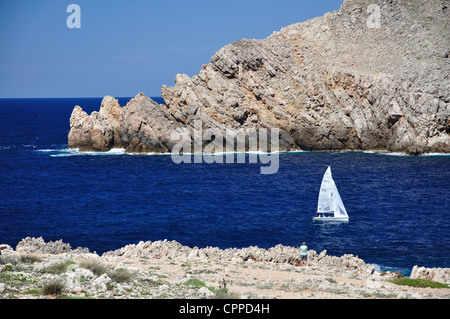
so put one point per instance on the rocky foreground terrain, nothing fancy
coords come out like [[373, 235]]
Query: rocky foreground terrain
[[168, 270], [373, 75]]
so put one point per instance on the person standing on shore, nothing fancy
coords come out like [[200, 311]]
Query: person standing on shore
[[303, 254]]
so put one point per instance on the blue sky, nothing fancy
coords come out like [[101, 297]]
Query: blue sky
[[127, 47]]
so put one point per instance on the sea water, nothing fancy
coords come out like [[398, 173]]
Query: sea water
[[398, 205]]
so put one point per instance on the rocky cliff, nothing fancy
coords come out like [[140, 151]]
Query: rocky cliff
[[373, 75]]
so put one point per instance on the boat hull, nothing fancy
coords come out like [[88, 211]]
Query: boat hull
[[331, 219]]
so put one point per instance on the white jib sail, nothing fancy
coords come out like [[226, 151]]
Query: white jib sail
[[329, 199]]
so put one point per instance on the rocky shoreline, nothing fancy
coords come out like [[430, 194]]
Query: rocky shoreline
[[335, 82], [36, 269]]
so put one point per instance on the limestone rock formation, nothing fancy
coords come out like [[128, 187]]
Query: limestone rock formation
[[373, 75], [98, 131], [434, 274], [141, 126], [146, 126]]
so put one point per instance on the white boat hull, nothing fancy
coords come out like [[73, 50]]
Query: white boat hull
[[331, 219]]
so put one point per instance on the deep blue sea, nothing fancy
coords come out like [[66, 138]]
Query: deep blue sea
[[398, 205]]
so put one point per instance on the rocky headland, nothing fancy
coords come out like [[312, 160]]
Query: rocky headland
[[36, 269], [373, 75]]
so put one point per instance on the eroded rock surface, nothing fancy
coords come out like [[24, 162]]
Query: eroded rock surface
[[167, 269], [373, 75]]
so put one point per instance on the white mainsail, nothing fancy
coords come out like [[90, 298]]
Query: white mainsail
[[330, 201]]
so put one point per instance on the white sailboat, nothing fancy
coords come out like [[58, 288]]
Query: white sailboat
[[330, 206]]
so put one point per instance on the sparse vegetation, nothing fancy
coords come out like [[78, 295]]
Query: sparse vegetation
[[120, 275], [35, 291], [7, 260], [7, 268], [52, 287], [420, 283], [221, 293], [195, 283], [45, 275], [262, 287], [94, 266], [331, 280], [224, 294], [30, 259], [58, 268]]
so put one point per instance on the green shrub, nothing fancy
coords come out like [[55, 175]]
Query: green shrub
[[331, 280], [421, 283], [58, 268], [223, 293], [7, 267], [36, 291], [94, 266], [120, 275], [195, 283], [7, 260], [53, 287], [29, 259]]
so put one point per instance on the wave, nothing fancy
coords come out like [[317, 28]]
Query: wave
[[421, 155], [436, 154], [380, 268], [76, 152], [393, 154], [66, 152], [403, 154]]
